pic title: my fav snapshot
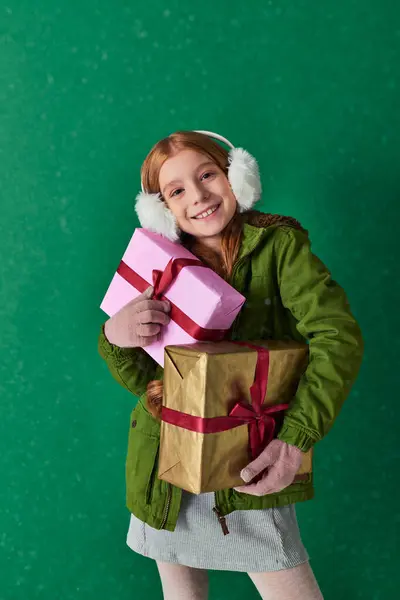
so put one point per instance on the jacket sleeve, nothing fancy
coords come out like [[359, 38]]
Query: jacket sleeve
[[133, 368], [323, 317]]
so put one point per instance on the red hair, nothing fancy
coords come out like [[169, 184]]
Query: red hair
[[231, 236]]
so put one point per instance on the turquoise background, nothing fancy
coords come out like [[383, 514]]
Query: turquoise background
[[313, 90]]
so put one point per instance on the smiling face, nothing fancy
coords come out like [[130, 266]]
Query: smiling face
[[198, 194]]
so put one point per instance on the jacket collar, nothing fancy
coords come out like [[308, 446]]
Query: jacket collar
[[258, 226]]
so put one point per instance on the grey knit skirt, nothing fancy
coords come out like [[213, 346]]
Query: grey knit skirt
[[259, 540]]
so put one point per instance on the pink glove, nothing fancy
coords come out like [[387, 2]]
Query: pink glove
[[283, 461], [139, 323]]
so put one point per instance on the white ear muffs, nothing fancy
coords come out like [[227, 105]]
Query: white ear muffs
[[243, 176], [154, 215]]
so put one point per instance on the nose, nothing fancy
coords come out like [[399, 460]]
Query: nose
[[199, 192]]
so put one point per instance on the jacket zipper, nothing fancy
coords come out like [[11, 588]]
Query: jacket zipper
[[221, 518], [167, 505], [239, 262], [234, 270]]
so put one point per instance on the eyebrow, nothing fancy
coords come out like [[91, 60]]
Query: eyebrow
[[177, 181]]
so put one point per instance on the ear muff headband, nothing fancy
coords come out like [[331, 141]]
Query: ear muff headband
[[243, 176]]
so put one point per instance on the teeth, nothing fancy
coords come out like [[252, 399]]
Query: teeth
[[207, 213]]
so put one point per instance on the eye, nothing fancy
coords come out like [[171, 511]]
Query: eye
[[207, 175], [176, 192]]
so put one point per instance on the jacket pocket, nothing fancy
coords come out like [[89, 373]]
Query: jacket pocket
[[142, 457]]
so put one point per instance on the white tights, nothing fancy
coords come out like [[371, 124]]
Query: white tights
[[185, 583]]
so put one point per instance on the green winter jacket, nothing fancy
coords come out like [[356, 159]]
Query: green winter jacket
[[290, 295]]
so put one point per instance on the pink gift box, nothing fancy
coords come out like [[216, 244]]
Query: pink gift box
[[198, 292]]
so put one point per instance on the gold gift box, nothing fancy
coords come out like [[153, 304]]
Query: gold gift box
[[206, 380]]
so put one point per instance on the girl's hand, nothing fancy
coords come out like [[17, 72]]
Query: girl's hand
[[283, 461], [139, 323]]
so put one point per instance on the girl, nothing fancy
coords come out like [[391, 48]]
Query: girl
[[195, 191]]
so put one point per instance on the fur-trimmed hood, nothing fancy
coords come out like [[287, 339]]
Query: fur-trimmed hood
[[259, 219]]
